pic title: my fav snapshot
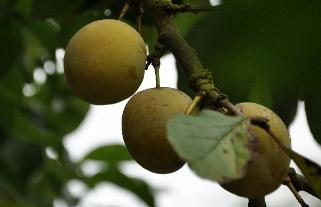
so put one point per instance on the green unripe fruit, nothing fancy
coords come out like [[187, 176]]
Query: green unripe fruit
[[268, 170], [144, 127], [105, 61]]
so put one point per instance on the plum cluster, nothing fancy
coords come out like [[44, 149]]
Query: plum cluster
[[104, 64]]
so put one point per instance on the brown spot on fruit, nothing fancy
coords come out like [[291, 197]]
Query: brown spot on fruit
[[132, 72], [266, 171]]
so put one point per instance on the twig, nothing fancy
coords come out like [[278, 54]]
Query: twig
[[124, 10], [139, 14], [230, 107], [154, 59], [288, 183], [300, 183], [177, 8], [257, 202], [196, 100], [157, 76]]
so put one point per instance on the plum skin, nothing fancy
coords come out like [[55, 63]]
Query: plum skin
[[144, 128], [104, 62], [267, 171]]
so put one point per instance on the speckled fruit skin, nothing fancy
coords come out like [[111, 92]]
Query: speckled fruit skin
[[144, 127], [267, 171], [105, 62]]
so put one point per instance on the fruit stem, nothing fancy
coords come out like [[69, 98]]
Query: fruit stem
[[123, 11], [257, 202], [157, 76], [196, 100], [289, 184]]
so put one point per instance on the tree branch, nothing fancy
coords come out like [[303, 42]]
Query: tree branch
[[200, 79]]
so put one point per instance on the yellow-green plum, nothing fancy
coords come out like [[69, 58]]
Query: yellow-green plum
[[144, 127], [267, 171], [104, 62]]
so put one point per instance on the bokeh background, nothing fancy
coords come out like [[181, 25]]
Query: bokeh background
[[56, 150]]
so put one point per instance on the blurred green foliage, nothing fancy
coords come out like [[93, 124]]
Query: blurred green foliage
[[37, 114], [263, 51]]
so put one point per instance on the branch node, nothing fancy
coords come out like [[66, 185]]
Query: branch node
[[201, 81], [154, 58]]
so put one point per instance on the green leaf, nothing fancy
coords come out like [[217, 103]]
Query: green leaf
[[136, 186], [71, 24], [112, 154], [49, 9], [255, 56], [25, 128], [15, 204], [310, 170], [10, 96], [55, 102], [313, 112], [185, 21], [215, 146], [49, 182], [9, 184], [23, 7], [33, 52], [44, 186], [197, 2], [10, 42], [20, 169], [312, 97], [149, 35], [46, 33], [73, 113]]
